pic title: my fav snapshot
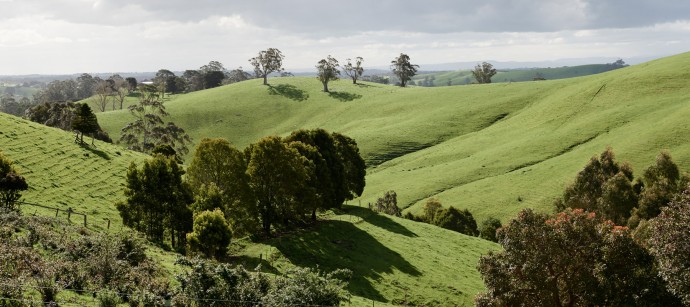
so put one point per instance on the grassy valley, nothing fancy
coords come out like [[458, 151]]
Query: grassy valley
[[461, 144]]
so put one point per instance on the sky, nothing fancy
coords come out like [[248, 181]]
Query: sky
[[75, 36]]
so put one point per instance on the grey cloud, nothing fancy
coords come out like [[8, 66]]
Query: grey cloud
[[319, 17]]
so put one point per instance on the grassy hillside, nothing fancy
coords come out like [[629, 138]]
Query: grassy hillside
[[63, 174], [461, 77], [393, 260], [491, 148]]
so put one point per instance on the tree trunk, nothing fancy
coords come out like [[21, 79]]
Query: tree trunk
[[354, 80], [266, 79], [325, 87], [313, 215]]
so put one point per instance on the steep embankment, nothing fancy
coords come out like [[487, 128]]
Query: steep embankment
[[492, 148], [62, 174]]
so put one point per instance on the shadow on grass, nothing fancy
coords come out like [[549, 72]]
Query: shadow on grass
[[379, 220], [96, 151], [344, 96], [288, 91], [337, 244], [365, 85]]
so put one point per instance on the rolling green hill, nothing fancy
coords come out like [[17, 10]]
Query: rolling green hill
[[393, 260], [492, 148], [460, 77]]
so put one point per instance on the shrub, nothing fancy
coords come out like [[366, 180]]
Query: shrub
[[388, 204], [456, 220], [487, 230], [211, 234]]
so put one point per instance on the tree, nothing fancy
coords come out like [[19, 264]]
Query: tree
[[327, 70], [157, 200], [11, 185], [85, 86], [354, 71], [85, 121], [456, 220], [103, 90], [131, 83], [402, 68], [266, 62], [217, 165], [603, 186], [276, 175], [165, 82], [195, 80], [210, 235], [661, 182], [238, 75], [341, 177], [148, 128], [483, 72], [388, 204], [670, 244], [120, 90], [572, 258], [431, 207], [213, 74], [488, 228]]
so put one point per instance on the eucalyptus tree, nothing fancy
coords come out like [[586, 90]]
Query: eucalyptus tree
[[403, 69], [354, 71], [327, 70], [268, 61]]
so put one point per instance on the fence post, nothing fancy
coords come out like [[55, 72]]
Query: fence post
[[69, 213], [84, 220], [57, 211]]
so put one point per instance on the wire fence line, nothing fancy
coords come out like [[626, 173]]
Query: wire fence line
[[69, 211]]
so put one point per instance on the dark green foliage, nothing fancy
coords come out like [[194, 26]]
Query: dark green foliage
[[218, 174], [488, 228], [456, 220], [211, 234], [483, 72], [62, 115], [11, 185], [228, 286], [388, 204], [572, 258], [603, 186], [403, 69], [340, 175], [84, 121], [157, 200], [670, 244], [662, 182], [277, 175]]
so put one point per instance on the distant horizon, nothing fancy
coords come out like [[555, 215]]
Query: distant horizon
[[464, 65]]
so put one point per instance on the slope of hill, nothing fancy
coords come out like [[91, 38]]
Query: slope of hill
[[491, 148], [461, 77], [393, 260], [64, 175]]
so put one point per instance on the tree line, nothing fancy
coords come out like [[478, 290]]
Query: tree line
[[615, 240], [273, 184]]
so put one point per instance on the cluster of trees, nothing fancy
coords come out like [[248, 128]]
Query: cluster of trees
[[11, 185], [276, 183], [211, 75], [68, 116], [451, 218], [582, 256]]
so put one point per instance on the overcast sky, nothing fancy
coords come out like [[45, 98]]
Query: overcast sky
[[74, 36]]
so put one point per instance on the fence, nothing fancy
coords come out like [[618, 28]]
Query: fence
[[69, 211]]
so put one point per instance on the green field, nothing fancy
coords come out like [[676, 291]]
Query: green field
[[494, 149], [461, 77]]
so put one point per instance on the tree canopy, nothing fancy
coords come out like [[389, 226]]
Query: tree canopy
[[354, 71], [403, 69], [483, 72], [327, 70], [85, 121], [267, 62], [11, 185]]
